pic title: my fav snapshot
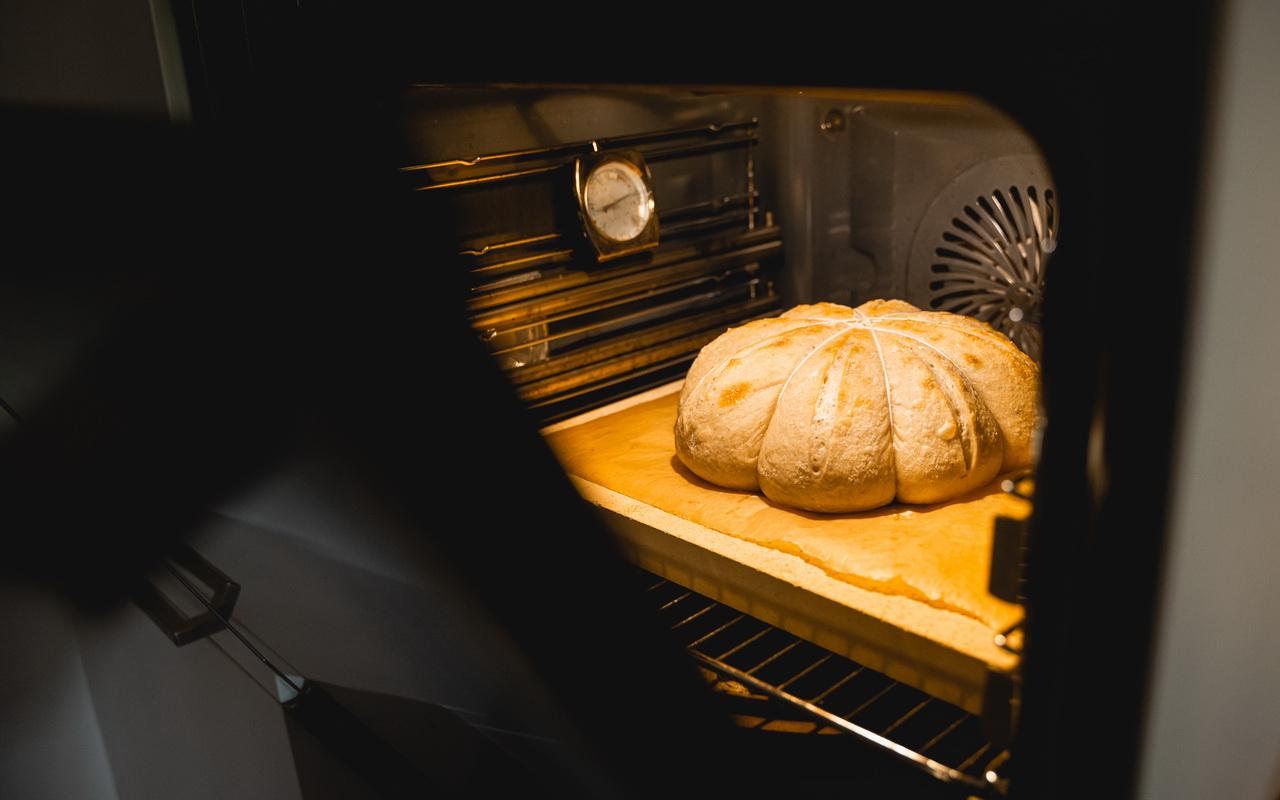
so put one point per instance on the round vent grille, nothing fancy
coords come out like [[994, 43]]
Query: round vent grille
[[990, 262]]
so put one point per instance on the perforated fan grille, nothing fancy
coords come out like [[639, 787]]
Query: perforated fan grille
[[990, 263]]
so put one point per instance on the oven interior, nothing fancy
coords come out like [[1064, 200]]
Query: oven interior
[[764, 199]]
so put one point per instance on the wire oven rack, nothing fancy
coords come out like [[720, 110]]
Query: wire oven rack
[[775, 681], [572, 334]]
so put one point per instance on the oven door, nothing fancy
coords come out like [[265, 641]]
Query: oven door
[[601, 677]]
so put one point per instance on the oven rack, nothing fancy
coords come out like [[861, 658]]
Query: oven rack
[[804, 689], [672, 144], [572, 334]]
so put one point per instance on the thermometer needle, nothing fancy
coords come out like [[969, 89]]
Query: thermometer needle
[[615, 202]]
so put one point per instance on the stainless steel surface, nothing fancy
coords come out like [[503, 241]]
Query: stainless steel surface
[[575, 318], [500, 176], [461, 172], [669, 262], [690, 333], [589, 146]]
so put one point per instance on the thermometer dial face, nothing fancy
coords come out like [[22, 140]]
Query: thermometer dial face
[[617, 200]]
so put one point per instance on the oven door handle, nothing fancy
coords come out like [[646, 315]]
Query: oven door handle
[[183, 629]]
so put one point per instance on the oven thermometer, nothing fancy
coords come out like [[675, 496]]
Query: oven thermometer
[[615, 197], [617, 200]]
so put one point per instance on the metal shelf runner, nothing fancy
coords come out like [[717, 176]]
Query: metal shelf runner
[[815, 682]]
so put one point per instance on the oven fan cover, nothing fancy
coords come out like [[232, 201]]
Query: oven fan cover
[[983, 245]]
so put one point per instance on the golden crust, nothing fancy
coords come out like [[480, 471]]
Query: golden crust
[[836, 409]]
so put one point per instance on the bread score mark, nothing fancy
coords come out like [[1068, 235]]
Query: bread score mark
[[967, 434], [990, 336], [823, 422], [888, 397], [768, 341], [778, 397]]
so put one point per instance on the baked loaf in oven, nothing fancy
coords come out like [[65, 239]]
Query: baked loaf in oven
[[837, 409]]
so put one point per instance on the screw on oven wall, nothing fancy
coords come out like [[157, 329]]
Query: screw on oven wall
[[834, 121]]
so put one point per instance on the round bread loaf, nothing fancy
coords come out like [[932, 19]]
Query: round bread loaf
[[836, 409]]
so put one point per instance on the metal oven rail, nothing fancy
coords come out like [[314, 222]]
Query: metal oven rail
[[804, 689]]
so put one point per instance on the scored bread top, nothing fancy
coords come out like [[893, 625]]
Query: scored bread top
[[837, 409]]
